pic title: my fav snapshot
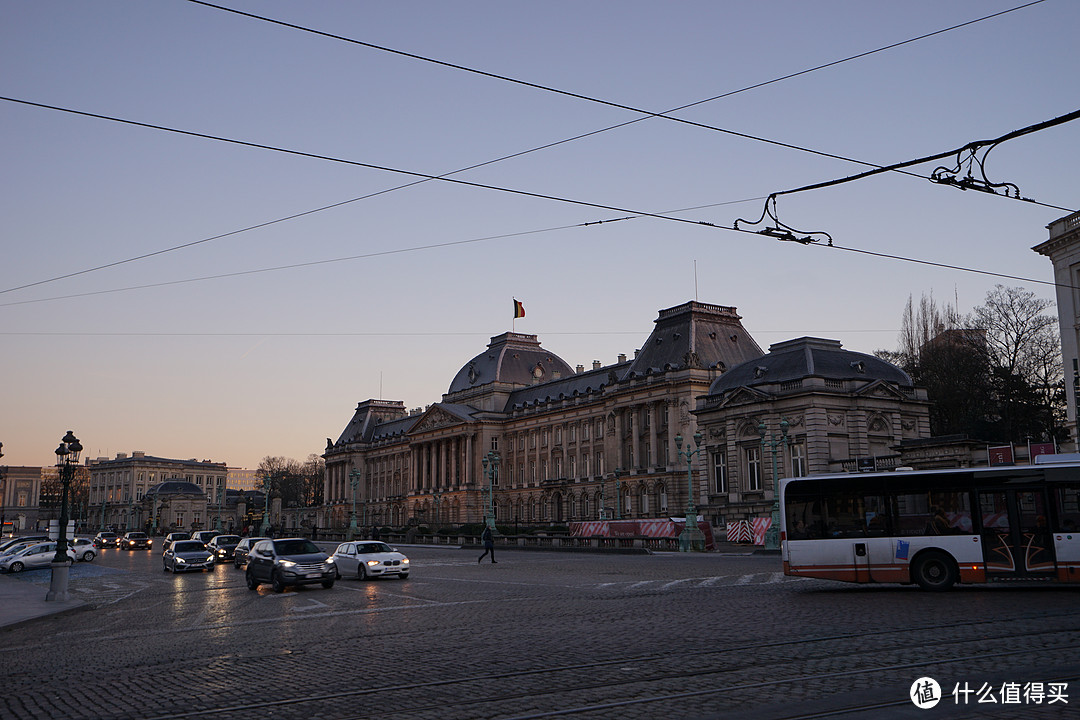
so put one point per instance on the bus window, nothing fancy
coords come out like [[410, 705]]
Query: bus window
[[850, 514], [1068, 509], [805, 519], [934, 513]]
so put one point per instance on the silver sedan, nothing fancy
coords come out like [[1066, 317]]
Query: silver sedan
[[370, 559], [185, 555]]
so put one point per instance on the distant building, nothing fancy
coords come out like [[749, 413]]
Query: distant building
[[1063, 249], [20, 493], [117, 488], [241, 479]]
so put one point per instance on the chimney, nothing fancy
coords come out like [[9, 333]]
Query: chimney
[[580, 369], [622, 357], [595, 364]]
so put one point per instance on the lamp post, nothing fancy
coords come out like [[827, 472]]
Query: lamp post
[[3, 492], [491, 471], [772, 535], [354, 482], [691, 538], [217, 525], [619, 475], [266, 506], [67, 457]]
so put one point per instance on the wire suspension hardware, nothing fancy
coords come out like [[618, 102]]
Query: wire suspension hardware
[[968, 158], [782, 231], [965, 156]]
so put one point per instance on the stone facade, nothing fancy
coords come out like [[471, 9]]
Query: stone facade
[[118, 486], [1063, 249], [807, 407], [569, 442]]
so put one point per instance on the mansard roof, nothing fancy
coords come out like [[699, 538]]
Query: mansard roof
[[695, 335], [513, 359], [809, 357], [577, 384], [174, 487]]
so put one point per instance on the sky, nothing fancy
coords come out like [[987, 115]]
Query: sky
[[147, 304]]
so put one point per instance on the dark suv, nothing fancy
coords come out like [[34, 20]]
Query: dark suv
[[289, 561]]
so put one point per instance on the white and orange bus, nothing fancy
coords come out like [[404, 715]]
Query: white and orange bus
[[935, 527]]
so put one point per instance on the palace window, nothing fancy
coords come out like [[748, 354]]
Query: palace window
[[720, 481], [798, 460], [753, 468]]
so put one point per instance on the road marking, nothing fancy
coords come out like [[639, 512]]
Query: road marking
[[314, 604]]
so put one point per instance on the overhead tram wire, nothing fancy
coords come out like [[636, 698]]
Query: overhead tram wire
[[579, 96], [525, 152], [419, 248]]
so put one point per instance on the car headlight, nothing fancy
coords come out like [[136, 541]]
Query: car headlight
[[287, 563], [404, 561], [373, 563], [180, 561]]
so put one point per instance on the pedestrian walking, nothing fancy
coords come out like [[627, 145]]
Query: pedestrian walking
[[489, 543]]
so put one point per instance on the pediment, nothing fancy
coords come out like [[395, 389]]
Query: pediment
[[744, 396], [434, 419], [880, 389]]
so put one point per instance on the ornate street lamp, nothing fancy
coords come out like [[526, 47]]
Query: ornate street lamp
[[619, 475], [772, 535], [3, 491], [266, 506], [691, 538], [67, 457], [354, 481], [491, 471]]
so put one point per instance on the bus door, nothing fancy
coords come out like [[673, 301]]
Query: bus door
[[1016, 535]]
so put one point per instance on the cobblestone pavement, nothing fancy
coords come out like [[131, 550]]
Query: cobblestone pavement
[[537, 635]]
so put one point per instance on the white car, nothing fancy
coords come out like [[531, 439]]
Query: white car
[[33, 556], [84, 548], [365, 559]]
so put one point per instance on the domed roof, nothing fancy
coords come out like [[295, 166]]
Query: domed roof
[[511, 358], [175, 487], [809, 357]]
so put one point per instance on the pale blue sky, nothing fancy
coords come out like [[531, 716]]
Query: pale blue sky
[[273, 363]]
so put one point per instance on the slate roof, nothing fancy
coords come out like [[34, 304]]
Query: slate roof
[[174, 487], [695, 335], [809, 357], [510, 358]]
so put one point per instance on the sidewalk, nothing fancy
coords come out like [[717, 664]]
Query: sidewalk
[[22, 600]]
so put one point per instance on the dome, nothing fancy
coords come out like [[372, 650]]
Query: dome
[[809, 357], [511, 358], [174, 487]]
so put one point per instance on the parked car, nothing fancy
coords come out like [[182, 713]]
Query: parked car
[[289, 561], [370, 559], [136, 540], [223, 547], [186, 555], [173, 537], [33, 556], [107, 539], [21, 540], [205, 536], [240, 552], [84, 548]]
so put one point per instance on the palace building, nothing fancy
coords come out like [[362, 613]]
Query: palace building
[[544, 443]]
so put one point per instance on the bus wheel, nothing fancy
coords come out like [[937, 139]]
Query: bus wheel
[[934, 571]]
